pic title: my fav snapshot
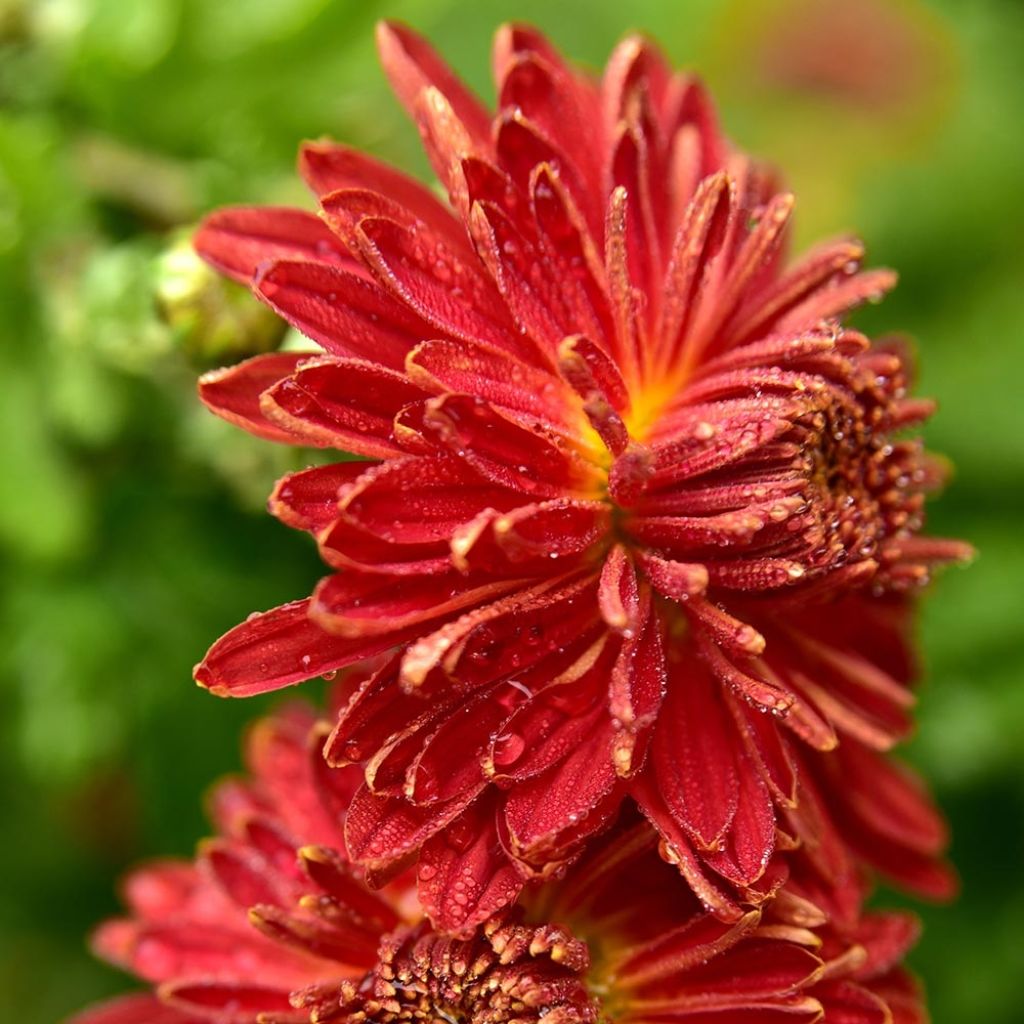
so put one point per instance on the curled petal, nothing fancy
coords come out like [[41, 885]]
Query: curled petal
[[239, 240], [362, 606], [308, 500], [464, 875], [279, 648], [412, 65], [347, 315], [233, 393], [344, 403]]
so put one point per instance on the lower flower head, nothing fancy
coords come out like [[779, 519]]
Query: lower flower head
[[269, 924]]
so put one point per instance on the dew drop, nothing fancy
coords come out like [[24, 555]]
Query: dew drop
[[508, 748], [459, 835]]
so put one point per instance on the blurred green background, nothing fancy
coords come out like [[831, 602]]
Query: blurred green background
[[131, 524]]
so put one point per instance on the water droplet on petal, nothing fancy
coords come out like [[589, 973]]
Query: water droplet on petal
[[508, 748]]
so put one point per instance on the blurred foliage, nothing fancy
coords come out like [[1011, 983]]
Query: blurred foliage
[[131, 532]]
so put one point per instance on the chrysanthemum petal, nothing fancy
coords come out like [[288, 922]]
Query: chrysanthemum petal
[[693, 756], [539, 812], [308, 500], [137, 1008], [360, 606], [498, 377], [441, 286], [464, 874], [330, 166], [279, 648], [380, 830], [345, 403], [347, 315], [233, 393], [239, 240], [412, 65]]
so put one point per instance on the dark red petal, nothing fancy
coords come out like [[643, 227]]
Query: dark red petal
[[346, 885], [308, 500], [238, 240], [378, 709], [233, 393], [750, 971], [571, 798], [347, 315], [540, 538], [330, 166], [693, 754], [449, 761], [344, 211], [519, 269], [346, 403], [521, 147], [412, 65], [888, 799], [464, 874], [421, 499], [847, 1003], [677, 848], [345, 544], [137, 1008], [279, 648], [467, 647], [503, 380], [618, 593], [743, 856], [567, 240], [440, 285], [767, 749], [341, 941], [229, 1002], [380, 830], [545, 730], [510, 455], [683, 948], [510, 636], [636, 689], [534, 79], [361, 606]]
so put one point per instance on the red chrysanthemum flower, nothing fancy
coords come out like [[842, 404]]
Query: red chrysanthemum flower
[[631, 486], [272, 923]]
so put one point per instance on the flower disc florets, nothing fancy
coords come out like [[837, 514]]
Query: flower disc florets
[[630, 485]]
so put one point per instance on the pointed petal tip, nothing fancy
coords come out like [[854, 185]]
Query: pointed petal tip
[[205, 679]]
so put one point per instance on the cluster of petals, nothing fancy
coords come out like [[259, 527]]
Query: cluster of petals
[[273, 924], [638, 514]]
